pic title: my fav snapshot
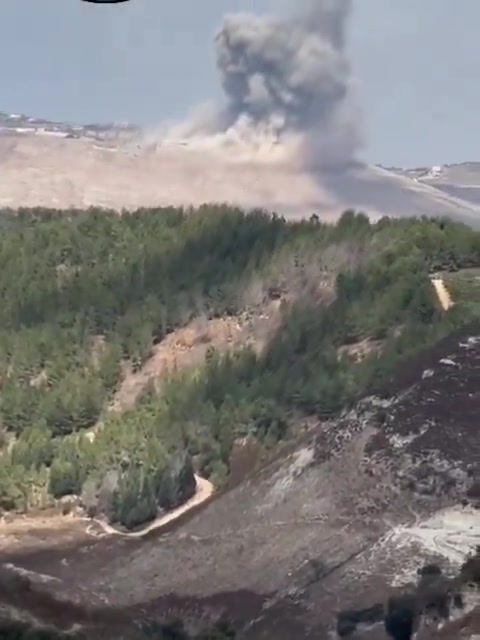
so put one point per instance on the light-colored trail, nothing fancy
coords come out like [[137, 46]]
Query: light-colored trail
[[204, 490], [443, 293]]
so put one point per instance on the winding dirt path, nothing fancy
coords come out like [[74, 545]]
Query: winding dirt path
[[204, 490]]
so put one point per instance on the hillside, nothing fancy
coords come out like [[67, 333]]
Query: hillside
[[457, 180], [292, 365], [58, 165], [338, 523]]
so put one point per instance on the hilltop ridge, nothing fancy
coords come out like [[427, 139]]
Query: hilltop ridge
[[58, 165]]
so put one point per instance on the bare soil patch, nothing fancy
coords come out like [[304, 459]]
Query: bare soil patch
[[443, 293], [187, 347]]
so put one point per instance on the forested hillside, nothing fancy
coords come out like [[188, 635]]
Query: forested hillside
[[84, 292]]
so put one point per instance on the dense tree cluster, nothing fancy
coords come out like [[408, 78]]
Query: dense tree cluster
[[83, 292]]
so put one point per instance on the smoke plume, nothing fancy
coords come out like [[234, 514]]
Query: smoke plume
[[290, 79]]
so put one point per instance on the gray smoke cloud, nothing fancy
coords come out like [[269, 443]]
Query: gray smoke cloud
[[292, 77]]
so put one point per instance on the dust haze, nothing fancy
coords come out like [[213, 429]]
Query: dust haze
[[286, 137], [291, 79]]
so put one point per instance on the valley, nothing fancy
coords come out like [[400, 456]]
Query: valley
[[224, 414], [239, 356]]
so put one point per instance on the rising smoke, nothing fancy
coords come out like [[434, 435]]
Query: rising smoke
[[291, 79], [288, 87]]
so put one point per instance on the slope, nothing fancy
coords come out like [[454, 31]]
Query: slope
[[316, 531], [92, 289], [457, 180], [62, 173]]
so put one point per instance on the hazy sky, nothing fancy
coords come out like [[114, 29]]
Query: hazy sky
[[417, 64]]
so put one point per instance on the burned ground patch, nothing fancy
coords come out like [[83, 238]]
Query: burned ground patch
[[291, 546]]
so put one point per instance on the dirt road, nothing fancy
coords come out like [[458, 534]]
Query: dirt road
[[442, 293], [204, 490]]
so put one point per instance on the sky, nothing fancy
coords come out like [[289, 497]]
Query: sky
[[416, 64]]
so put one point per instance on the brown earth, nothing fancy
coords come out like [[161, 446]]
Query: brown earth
[[443, 293], [187, 347]]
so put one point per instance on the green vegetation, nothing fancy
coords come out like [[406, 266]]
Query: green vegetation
[[84, 291], [464, 286]]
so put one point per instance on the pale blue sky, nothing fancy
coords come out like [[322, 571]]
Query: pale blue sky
[[417, 63]]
